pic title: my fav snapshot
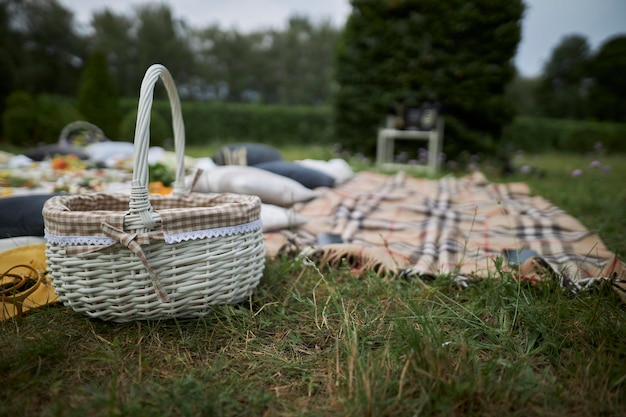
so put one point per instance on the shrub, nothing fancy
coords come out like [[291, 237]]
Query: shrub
[[221, 123], [160, 129], [19, 120], [31, 121], [269, 124], [535, 134]]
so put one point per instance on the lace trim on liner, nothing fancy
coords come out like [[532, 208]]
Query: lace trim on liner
[[169, 239], [217, 232], [78, 240]]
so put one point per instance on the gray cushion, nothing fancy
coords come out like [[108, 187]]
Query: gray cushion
[[49, 151], [309, 177], [21, 215], [246, 154]]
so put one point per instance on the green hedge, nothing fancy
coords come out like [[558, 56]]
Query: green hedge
[[160, 128], [210, 122], [32, 120], [534, 134], [29, 121]]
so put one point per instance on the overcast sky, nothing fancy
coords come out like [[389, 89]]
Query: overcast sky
[[544, 25]]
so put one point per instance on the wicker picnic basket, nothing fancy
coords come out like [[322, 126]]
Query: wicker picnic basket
[[122, 257]]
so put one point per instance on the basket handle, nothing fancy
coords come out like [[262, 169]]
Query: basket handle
[[139, 198]]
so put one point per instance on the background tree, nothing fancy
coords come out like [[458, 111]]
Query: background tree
[[162, 39], [289, 66], [293, 66], [458, 53], [113, 36], [97, 96], [226, 61], [51, 51], [8, 51], [303, 61], [564, 86], [608, 91]]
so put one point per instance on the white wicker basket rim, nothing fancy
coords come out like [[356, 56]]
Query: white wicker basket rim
[[79, 220]]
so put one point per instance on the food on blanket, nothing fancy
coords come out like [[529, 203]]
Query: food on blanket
[[157, 187], [9, 180], [67, 162], [160, 172], [41, 178], [59, 163], [86, 185]]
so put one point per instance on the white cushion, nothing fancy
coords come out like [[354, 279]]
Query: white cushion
[[271, 188], [110, 151], [204, 164], [276, 218]]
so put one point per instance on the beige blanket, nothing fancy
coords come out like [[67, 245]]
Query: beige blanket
[[398, 225]]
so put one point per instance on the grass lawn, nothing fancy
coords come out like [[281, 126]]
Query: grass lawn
[[590, 188], [317, 342]]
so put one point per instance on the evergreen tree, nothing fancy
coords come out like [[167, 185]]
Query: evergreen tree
[[457, 53], [97, 96]]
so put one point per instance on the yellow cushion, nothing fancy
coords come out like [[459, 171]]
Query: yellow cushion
[[30, 253]]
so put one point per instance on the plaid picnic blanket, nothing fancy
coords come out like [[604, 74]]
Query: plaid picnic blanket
[[398, 225]]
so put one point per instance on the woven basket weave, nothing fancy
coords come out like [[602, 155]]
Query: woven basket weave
[[131, 257]]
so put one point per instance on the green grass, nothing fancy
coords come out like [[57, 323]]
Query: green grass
[[320, 342], [597, 197]]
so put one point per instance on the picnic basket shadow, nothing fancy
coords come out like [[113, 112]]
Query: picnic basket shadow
[[122, 257]]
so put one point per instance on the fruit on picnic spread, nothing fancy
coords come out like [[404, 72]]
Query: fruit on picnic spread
[[59, 163], [157, 187], [67, 162]]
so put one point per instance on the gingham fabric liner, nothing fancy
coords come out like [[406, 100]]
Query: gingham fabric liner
[[79, 219], [418, 227]]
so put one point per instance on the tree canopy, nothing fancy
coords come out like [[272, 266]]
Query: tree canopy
[[44, 44], [457, 53], [578, 83], [608, 90], [42, 38], [564, 83]]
